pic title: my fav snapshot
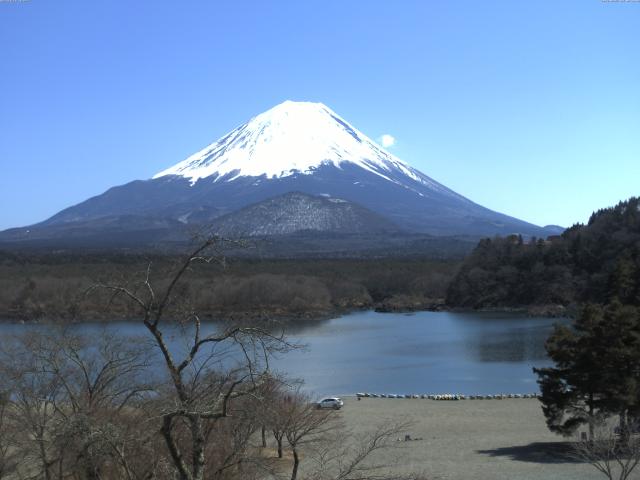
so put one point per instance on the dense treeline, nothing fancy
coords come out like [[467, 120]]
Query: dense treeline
[[587, 263], [594, 263], [51, 286]]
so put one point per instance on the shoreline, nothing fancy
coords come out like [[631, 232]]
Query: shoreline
[[278, 316]]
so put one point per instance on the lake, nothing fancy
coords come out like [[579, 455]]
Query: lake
[[423, 352]]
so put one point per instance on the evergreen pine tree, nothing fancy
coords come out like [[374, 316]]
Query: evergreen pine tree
[[597, 370]]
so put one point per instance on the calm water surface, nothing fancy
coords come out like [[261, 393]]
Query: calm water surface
[[425, 352]]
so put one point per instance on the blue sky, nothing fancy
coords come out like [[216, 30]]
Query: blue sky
[[528, 108]]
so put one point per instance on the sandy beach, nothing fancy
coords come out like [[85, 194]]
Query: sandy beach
[[470, 439]]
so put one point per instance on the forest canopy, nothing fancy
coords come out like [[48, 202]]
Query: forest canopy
[[596, 263]]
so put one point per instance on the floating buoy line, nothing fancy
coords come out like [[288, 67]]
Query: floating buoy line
[[450, 396]]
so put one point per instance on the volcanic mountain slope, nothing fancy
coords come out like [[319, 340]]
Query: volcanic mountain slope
[[296, 212], [294, 147]]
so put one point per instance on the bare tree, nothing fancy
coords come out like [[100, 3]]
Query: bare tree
[[615, 456], [136, 448], [275, 411], [304, 424], [8, 457], [68, 398], [201, 384], [233, 454], [267, 409], [345, 456], [333, 453], [278, 425], [231, 451], [33, 393]]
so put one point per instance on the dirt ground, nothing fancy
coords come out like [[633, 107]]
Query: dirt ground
[[470, 439]]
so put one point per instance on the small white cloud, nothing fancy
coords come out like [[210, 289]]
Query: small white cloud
[[387, 140]]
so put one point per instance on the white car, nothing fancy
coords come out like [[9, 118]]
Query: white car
[[330, 402]]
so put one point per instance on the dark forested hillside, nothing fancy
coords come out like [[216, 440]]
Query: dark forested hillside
[[596, 263], [51, 286]]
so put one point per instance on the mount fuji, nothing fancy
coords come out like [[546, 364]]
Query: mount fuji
[[298, 147]]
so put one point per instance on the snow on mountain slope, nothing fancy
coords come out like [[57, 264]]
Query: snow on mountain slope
[[294, 147], [295, 211], [290, 138]]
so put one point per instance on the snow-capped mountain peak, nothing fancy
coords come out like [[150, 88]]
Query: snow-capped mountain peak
[[294, 147], [290, 138]]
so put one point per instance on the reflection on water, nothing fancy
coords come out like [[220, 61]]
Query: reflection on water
[[518, 345], [426, 352]]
